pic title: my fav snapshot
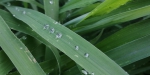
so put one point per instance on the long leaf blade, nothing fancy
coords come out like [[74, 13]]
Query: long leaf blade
[[69, 43], [17, 52]]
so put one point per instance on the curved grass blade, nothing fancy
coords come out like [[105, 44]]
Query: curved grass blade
[[106, 7], [84, 10], [17, 52], [137, 31], [22, 27], [118, 18], [33, 2], [132, 48], [69, 43], [72, 4], [51, 8], [132, 5]]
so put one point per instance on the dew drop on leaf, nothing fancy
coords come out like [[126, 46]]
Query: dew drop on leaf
[[21, 48], [56, 22], [86, 55], [84, 72], [14, 15], [52, 30], [24, 12], [46, 27], [59, 35], [24, 37], [51, 2], [17, 8], [77, 47]]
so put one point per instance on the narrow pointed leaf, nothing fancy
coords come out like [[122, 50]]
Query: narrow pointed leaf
[[69, 43], [17, 52], [72, 4]]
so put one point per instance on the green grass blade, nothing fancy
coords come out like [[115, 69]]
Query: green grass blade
[[84, 10], [5, 64], [106, 7], [72, 4], [118, 18], [51, 8], [132, 48], [33, 2], [69, 43], [19, 26], [17, 52], [132, 5]]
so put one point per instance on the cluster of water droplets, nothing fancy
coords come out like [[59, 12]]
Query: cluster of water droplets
[[52, 30], [85, 55]]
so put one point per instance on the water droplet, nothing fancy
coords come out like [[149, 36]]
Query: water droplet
[[51, 2], [77, 47], [8, 4], [86, 55], [59, 35], [92, 73], [24, 12], [52, 30], [56, 22], [21, 48], [17, 9], [14, 15], [24, 37], [84, 72], [46, 26]]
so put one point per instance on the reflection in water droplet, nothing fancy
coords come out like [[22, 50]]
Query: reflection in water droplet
[[52, 30], [86, 55], [84, 72], [59, 35], [14, 15], [46, 26], [51, 1], [77, 47]]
